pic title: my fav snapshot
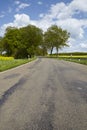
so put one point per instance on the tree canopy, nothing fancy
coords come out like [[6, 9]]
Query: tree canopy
[[56, 37], [30, 40]]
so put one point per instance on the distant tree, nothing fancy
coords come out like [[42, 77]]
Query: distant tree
[[43, 47], [56, 37], [61, 38], [41, 51], [49, 40]]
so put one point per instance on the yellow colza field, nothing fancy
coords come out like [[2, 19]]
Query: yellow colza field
[[6, 58], [9, 62]]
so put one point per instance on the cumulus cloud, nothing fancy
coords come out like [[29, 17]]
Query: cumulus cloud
[[74, 26], [59, 11], [60, 14], [20, 20], [78, 5]]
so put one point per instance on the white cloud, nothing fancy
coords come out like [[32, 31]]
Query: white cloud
[[20, 20], [74, 26], [59, 11], [78, 5], [22, 6], [41, 15], [84, 45], [64, 11], [60, 14]]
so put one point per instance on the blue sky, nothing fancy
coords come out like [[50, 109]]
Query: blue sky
[[68, 14]]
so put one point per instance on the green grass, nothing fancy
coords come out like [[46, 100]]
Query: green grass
[[8, 64], [80, 61]]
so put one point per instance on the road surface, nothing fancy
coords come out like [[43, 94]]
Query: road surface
[[46, 94]]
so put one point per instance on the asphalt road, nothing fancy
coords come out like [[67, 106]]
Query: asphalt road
[[46, 94]]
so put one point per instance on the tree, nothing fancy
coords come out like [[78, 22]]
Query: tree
[[61, 38], [22, 42], [32, 37], [56, 37], [30, 41], [49, 40], [11, 41]]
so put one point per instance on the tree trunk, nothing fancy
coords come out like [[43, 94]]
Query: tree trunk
[[51, 50], [57, 51]]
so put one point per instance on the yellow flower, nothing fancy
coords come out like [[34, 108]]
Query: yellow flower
[[6, 58]]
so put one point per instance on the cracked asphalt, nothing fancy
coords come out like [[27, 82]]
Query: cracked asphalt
[[46, 94]]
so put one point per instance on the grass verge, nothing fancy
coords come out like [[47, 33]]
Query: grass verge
[[77, 59], [81, 59], [8, 64]]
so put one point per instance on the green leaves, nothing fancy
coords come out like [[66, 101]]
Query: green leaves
[[22, 42], [29, 41], [56, 37]]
